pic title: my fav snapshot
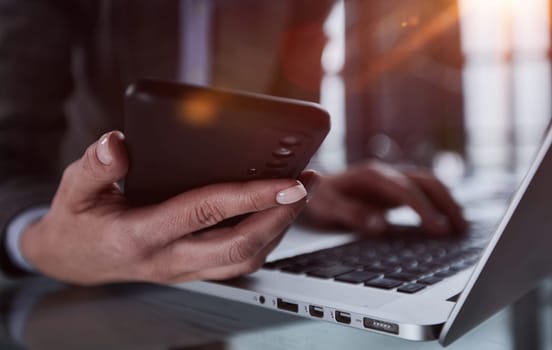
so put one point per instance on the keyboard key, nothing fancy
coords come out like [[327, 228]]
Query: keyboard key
[[401, 276], [270, 266], [383, 247], [416, 270], [434, 267], [278, 264], [298, 269], [320, 263], [353, 260], [331, 272], [383, 283], [357, 276], [369, 254], [391, 259], [445, 273], [430, 280], [472, 260], [411, 288], [438, 253], [461, 266], [408, 253], [408, 262], [381, 269], [369, 261], [376, 268], [425, 258]]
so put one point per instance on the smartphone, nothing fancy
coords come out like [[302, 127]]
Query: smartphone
[[180, 137]]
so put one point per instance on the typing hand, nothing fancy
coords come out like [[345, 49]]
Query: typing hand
[[358, 199], [91, 235]]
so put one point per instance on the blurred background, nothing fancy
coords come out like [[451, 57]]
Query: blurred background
[[462, 86]]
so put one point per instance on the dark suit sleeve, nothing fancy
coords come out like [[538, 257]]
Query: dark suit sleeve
[[35, 81]]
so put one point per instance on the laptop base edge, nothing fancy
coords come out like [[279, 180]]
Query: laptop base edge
[[312, 311]]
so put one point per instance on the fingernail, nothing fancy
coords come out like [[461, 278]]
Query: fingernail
[[102, 150], [292, 194], [375, 223], [119, 135]]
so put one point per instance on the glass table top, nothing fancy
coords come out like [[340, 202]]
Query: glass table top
[[41, 314]]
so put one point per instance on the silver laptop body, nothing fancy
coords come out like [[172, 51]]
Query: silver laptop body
[[516, 256]]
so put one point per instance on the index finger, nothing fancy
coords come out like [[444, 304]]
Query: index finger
[[223, 247], [207, 206], [441, 196]]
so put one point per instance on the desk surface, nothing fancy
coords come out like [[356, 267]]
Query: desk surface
[[40, 314]]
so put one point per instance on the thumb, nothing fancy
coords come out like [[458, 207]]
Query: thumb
[[104, 163]]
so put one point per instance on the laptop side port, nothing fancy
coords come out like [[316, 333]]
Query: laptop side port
[[316, 311], [286, 305], [382, 326], [343, 317]]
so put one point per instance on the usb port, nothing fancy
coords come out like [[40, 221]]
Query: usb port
[[382, 326], [316, 311], [343, 317], [286, 305]]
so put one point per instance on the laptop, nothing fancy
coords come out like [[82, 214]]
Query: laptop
[[405, 285]]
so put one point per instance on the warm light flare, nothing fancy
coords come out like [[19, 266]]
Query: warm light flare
[[495, 27], [199, 111], [419, 35]]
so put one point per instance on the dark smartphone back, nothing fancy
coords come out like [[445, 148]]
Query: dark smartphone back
[[181, 137]]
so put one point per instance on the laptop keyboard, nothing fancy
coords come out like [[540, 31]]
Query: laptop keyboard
[[407, 265]]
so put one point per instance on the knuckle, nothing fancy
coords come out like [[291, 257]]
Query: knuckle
[[405, 184], [243, 249], [207, 213], [254, 200], [173, 221], [131, 245], [88, 163], [155, 272]]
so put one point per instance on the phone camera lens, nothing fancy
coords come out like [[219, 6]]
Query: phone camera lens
[[290, 141], [282, 152]]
